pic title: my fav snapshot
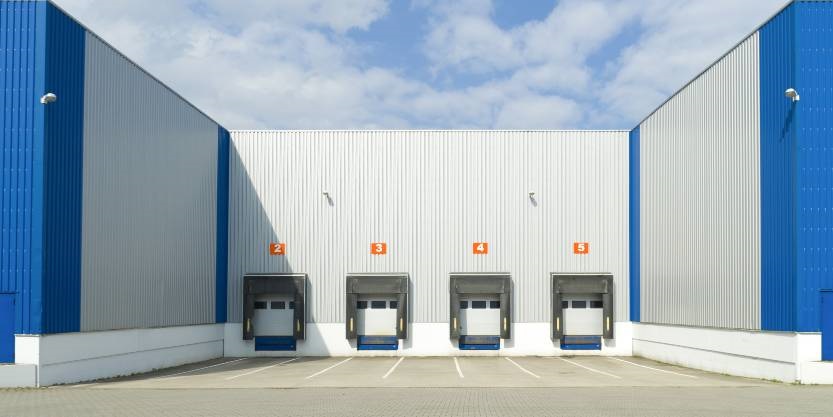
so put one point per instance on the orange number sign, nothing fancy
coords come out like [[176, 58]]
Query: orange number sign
[[480, 248], [277, 249], [378, 248], [581, 248]]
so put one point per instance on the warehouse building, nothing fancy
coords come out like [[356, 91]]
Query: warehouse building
[[138, 233]]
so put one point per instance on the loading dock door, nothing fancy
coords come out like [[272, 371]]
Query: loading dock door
[[274, 315], [582, 309], [274, 310], [479, 315], [6, 328], [377, 310], [480, 310], [376, 315], [583, 314]]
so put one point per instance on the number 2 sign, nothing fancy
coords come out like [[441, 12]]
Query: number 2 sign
[[480, 248], [277, 249], [378, 248], [581, 248]]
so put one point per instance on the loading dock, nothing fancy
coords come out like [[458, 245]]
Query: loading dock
[[582, 310], [273, 310], [377, 310], [480, 309]]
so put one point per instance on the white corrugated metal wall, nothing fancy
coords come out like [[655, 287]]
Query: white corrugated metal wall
[[429, 195], [700, 199], [149, 200]]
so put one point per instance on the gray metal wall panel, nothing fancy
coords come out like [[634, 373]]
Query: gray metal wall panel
[[700, 199], [149, 200], [429, 195]]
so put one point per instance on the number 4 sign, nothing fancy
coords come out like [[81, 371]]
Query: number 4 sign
[[480, 248], [581, 248]]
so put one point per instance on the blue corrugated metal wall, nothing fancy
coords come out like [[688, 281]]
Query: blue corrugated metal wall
[[42, 51], [63, 173], [814, 159], [22, 40], [221, 270], [778, 255], [633, 228]]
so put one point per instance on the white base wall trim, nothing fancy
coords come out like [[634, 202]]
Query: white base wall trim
[[18, 376], [84, 356], [817, 373], [427, 339], [755, 354]]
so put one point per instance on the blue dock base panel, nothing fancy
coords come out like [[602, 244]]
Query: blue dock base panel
[[277, 343], [827, 325], [581, 343], [479, 342], [377, 343]]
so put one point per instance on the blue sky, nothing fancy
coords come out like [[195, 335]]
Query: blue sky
[[399, 64]]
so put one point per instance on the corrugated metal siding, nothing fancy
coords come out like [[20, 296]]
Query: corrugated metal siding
[[814, 188], [778, 262], [149, 213], [633, 224], [429, 195], [63, 156], [22, 54], [700, 212]]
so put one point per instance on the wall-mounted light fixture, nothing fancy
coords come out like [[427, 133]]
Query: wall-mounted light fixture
[[48, 98], [791, 93], [325, 194], [532, 194]]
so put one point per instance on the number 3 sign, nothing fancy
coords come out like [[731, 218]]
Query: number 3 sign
[[378, 248]]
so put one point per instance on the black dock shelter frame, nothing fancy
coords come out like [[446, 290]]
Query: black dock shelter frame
[[499, 284], [293, 285], [575, 283], [372, 283]]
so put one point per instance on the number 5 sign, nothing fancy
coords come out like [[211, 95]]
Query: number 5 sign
[[581, 248]]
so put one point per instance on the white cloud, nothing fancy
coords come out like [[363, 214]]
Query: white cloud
[[294, 64], [537, 112], [679, 40]]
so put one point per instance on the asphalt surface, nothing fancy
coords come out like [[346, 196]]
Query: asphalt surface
[[471, 386], [388, 372]]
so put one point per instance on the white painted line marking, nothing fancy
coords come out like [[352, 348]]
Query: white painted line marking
[[89, 384], [176, 375], [328, 368], [521, 367], [393, 367], [459, 371], [653, 369], [590, 369], [261, 369]]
